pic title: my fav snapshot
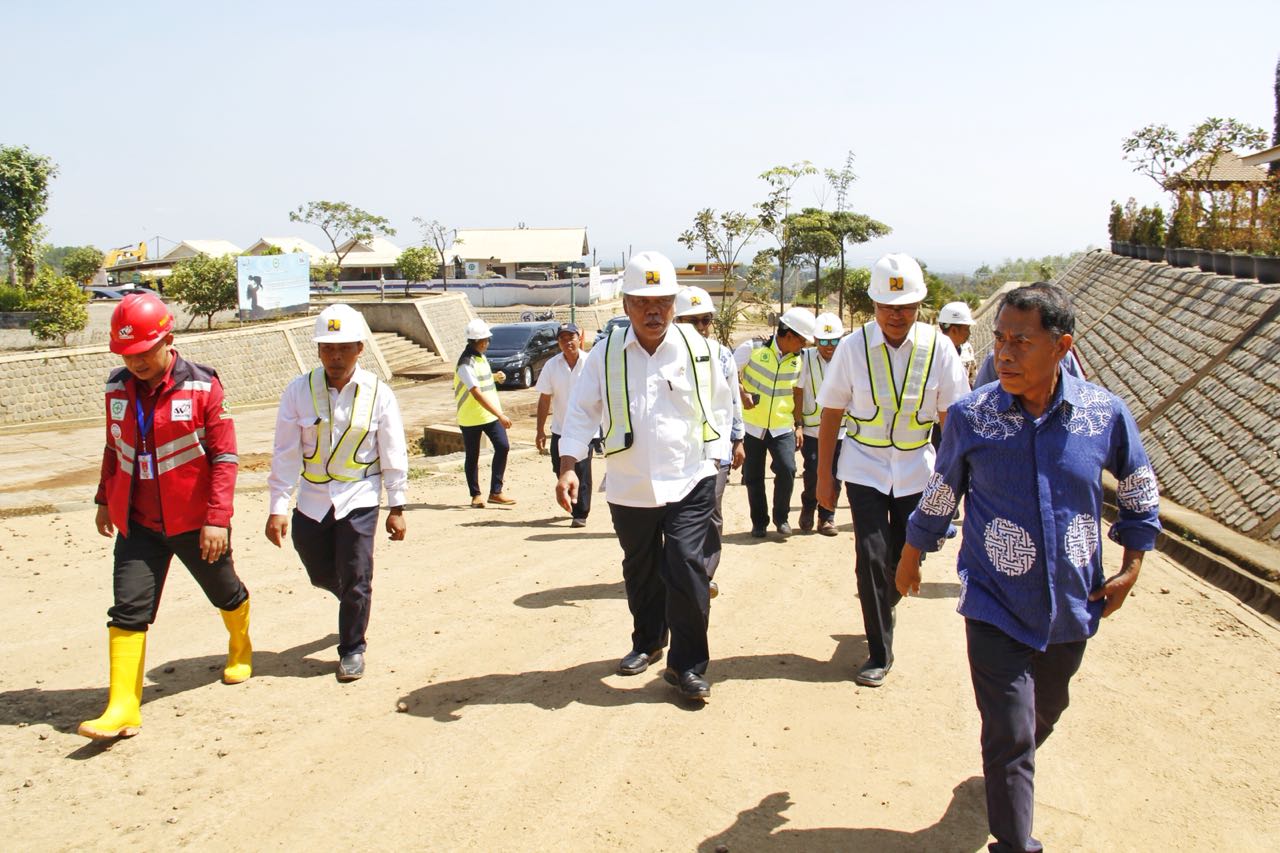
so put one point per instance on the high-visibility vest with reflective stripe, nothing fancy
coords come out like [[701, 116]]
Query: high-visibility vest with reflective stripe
[[772, 376], [895, 423], [470, 412], [617, 394], [817, 369], [336, 460]]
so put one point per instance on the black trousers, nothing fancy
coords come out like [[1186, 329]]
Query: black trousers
[[582, 506], [664, 570], [879, 532], [782, 453], [809, 494], [142, 564], [1021, 693], [471, 463], [338, 557]]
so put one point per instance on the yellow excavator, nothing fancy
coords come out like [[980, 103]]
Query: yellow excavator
[[125, 254]]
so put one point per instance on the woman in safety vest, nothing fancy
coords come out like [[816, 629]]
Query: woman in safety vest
[[479, 413]]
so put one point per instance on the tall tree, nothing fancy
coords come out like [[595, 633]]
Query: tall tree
[[205, 285], [59, 304], [342, 224], [417, 263], [722, 238], [441, 237], [775, 210], [24, 199], [82, 264], [812, 239]]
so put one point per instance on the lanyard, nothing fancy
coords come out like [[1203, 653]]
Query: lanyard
[[144, 426]]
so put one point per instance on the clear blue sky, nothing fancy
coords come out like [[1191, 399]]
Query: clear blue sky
[[981, 130]]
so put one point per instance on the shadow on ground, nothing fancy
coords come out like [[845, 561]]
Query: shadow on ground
[[567, 596], [962, 827]]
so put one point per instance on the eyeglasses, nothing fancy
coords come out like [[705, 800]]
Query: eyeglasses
[[827, 342], [698, 321], [897, 309]]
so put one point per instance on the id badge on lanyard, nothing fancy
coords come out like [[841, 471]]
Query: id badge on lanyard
[[146, 459]]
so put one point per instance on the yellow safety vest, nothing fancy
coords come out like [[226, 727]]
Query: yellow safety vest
[[772, 376], [618, 436], [470, 412], [901, 429], [817, 370], [337, 460]]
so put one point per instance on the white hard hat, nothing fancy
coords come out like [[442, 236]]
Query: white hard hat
[[827, 326], [693, 302], [649, 274], [339, 324], [897, 280], [955, 314], [799, 321], [478, 330]]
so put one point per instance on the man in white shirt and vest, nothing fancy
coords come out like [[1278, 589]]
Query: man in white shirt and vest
[[339, 426], [888, 383], [768, 378], [654, 387], [813, 369], [554, 386]]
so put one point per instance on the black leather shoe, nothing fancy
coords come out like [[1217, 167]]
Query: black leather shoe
[[758, 533], [689, 683], [806, 519], [351, 667], [784, 530], [871, 674], [637, 662]]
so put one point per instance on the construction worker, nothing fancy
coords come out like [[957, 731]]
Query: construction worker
[[1027, 456], [813, 365], [475, 391], [554, 385], [655, 388], [167, 482], [768, 380], [889, 381], [695, 308], [339, 426], [956, 322]]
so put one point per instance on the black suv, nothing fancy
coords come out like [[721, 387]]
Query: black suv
[[520, 349]]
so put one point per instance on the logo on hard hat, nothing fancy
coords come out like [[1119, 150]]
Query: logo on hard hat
[[652, 277], [695, 300], [896, 282], [335, 325], [827, 328], [164, 321], [125, 333]]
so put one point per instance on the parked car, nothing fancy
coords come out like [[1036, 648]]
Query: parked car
[[621, 321], [104, 293], [521, 349]]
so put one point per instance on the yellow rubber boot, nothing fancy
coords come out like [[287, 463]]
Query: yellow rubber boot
[[123, 717], [239, 650]]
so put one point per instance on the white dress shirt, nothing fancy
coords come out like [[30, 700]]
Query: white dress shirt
[[722, 448], [556, 381], [810, 399], [296, 436], [847, 386], [667, 457]]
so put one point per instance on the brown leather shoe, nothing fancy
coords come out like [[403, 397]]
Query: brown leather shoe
[[477, 502], [806, 520], [501, 500], [828, 528]]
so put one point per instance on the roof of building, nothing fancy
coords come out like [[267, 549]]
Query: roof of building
[[191, 248], [520, 245], [1228, 168], [1263, 157], [288, 245], [374, 252]]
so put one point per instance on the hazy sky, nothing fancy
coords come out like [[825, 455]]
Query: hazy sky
[[981, 130]]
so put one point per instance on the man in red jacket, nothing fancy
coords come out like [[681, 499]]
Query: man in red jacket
[[168, 475]]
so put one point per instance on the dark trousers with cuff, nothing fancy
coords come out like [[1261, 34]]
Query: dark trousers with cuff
[[879, 531], [471, 463], [809, 494], [142, 565], [582, 506], [1020, 693], [782, 454], [338, 557], [664, 571]]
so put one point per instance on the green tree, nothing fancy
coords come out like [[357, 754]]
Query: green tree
[[204, 286], [342, 224], [82, 264], [812, 239], [441, 237], [722, 239], [24, 199], [775, 211], [417, 263], [59, 304]]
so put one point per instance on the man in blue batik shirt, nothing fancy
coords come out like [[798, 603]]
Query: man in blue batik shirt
[[1027, 453]]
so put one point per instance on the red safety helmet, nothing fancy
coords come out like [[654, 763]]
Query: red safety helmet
[[139, 322]]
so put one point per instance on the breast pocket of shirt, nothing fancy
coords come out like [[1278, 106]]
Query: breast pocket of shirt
[[682, 413], [863, 404], [310, 434]]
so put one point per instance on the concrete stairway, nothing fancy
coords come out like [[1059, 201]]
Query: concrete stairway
[[408, 359]]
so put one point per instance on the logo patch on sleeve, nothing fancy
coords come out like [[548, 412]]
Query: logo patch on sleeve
[[181, 411], [118, 409]]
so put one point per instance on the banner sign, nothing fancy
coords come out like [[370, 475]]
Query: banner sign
[[271, 285]]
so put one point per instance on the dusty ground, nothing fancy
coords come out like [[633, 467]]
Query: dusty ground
[[499, 631]]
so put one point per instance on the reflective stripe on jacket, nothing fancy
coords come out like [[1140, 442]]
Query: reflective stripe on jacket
[[817, 368], [894, 423], [470, 412], [337, 460], [772, 375]]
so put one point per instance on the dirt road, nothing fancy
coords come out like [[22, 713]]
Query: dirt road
[[498, 630]]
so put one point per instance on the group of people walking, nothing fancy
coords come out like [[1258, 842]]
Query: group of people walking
[[674, 412]]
